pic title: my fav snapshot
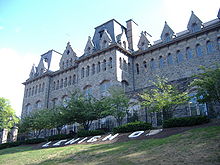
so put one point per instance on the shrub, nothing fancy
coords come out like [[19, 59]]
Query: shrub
[[131, 127], [85, 133], [185, 121], [59, 137], [34, 141]]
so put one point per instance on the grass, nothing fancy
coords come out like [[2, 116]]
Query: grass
[[198, 146]]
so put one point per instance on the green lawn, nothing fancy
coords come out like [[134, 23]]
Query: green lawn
[[198, 146]]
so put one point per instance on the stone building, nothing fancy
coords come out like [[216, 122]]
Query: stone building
[[124, 56]]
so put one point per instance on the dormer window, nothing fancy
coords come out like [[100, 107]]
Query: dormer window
[[101, 33], [142, 44], [68, 52], [195, 27], [167, 37]]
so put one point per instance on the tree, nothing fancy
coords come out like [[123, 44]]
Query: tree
[[208, 85], [117, 104], [37, 121], [83, 110], [7, 115], [163, 98]]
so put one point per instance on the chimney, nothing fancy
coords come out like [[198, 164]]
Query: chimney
[[132, 35]]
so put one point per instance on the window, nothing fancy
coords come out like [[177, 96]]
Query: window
[[82, 72], [74, 79], [110, 62], [169, 59], [43, 87], [137, 68], [87, 71], [104, 86], [65, 82], [54, 102], [39, 90], [61, 83], [32, 91], [124, 65], [218, 40], [124, 44], [71, 62], [58, 84], [195, 27], [120, 63], [68, 52], [88, 90], [36, 89], [125, 85], [104, 65], [189, 54], [179, 56], [38, 104], [29, 92], [129, 67], [145, 64], [26, 93], [70, 80], [93, 69], [167, 37], [54, 85], [209, 47], [152, 64], [67, 63], [199, 50], [161, 62], [98, 67], [28, 108]]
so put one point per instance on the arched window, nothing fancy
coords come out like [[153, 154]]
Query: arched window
[[199, 50], [82, 73], [167, 37], [74, 79], [98, 67], [70, 80], [195, 27], [36, 89], [125, 85], [104, 86], [161, 62], [54, 85], [120, 63], [39, 90], [32, 91], [87, 71], [28, 108], [124, 65], [145, 65], [189, 54], [104, 65], [137, 68], [38, 104], [43, 86], [209, 47], [54, 102], [179, 56], [93, 69], [61, 83], [88, 90], [129, 67], [65, 82], [169, 59], [218, 40], [124, 44], [58, 84], [152, 64], [110, 62]]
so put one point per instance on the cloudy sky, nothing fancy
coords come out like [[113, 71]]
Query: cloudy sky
[[29, 28]]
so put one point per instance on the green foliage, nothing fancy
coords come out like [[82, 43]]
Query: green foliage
[[59, 137], [117, 104], [208, 85], [131, 127], [185, 121], [7, 115], [83, 110], [163, 98], [86, 133]]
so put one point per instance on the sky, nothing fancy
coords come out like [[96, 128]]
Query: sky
[[29, 28]]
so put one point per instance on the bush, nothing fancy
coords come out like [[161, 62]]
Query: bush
[[185, 121], [59, 137], [131, 127], [34, 141], [85, 133]]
